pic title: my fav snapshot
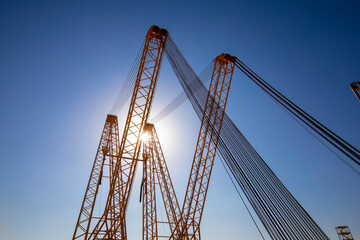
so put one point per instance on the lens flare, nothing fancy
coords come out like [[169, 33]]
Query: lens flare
[[144, 137]]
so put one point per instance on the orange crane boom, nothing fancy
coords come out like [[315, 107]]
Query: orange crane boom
[[189, 225], [111, 224], [148, 189], [106, 155], [116, 161], [159, 167]]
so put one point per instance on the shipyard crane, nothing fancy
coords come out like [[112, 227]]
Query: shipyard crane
[[116, 161], [186, 224], [193, 206]]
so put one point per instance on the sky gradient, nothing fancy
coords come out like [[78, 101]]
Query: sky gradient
[[62, 65]]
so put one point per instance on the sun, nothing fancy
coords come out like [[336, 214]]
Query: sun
[[145, 137]]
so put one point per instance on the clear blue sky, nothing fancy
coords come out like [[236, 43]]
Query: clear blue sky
[[62, 65]]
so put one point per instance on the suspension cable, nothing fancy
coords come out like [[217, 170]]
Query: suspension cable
[[282, 216], [128, 85]]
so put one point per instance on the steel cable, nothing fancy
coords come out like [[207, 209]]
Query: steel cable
[[205, 76], [346, 148], [128, 85], [282, 216]]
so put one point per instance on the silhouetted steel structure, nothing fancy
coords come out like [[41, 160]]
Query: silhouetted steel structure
[[344, 233]]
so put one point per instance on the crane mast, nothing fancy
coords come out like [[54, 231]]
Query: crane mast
[[189, 226]]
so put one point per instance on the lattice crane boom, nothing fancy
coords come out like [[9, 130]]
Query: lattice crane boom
[[171, 204], [206, 148], [344, 233], [148, 188], [116, 161], [111, 224], [106, 155]]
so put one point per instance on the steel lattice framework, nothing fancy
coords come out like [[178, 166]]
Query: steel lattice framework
[[117, 160], [130, 143], [344, 233], [206, 148], [148, 189], [160, 169], [106, 155], [112, 225]]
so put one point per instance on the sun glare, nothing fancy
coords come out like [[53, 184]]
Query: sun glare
[[145, 137]]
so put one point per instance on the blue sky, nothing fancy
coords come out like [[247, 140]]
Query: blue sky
[[62, 65]]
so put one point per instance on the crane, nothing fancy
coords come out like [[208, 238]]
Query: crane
[[116, 161], [155, 168], [189, 225], [186, 224], [111, 224], [148, 191], [106, 155]]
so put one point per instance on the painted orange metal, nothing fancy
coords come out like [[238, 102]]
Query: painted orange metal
[[149, 198], [159, 167], [344, 233], [111, 224], [189, 225], [122, 157], [106, 155]]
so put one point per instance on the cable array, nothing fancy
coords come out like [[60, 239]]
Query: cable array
[[205, 76], [314, 125], [281, 214], [127, 89]]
